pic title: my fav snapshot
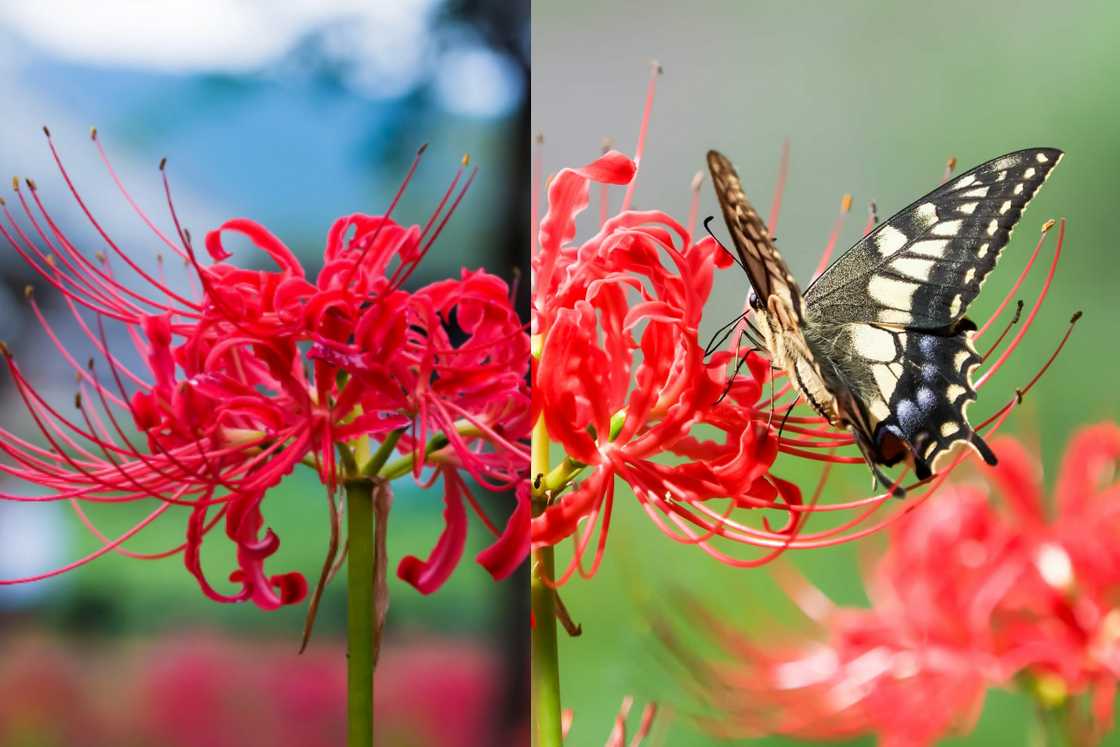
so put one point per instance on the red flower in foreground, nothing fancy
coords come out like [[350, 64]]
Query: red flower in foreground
[[623, 385], [264, 369], [966, 597]]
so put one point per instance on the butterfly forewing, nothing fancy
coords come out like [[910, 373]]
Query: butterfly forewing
[[767, 272], [923, 267]]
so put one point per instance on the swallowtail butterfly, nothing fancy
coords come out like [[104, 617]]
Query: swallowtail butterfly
[[879, 342]]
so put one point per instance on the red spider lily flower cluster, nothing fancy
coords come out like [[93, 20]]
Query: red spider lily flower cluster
[[966, 597], [260, 370], [623, 385]]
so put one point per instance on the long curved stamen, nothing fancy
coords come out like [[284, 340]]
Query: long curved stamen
[[1033, 312], [176, 248], [779, 189], [112, 244], [651, 89], [834, 235], [372, 241]]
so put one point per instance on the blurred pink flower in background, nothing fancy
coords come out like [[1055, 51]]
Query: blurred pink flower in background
[[966, 596], [210, 690]]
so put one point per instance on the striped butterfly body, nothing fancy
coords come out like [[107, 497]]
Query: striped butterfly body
[[879, 343]]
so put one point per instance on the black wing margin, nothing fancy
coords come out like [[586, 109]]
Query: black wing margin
[[765, 267], [921, 268]]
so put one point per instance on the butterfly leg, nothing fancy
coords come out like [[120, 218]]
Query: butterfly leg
[[741, 359]]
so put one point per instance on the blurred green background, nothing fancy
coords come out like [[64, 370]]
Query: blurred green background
[[874, 97], [292, 114]]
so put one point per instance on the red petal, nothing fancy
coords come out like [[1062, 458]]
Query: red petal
[[261, 237], [510, 550], [428, 575], [1018, 475], [1089, 460]]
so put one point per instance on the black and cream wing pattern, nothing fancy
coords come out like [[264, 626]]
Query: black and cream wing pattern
[[886, 325]]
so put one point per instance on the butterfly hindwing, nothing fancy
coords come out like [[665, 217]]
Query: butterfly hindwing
[[913, 388], [765, 267], [924, 266]]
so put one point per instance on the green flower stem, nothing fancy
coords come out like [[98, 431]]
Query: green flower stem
[[384, 451], [403, 465], [563, 474], [359, 623], [545, 656]]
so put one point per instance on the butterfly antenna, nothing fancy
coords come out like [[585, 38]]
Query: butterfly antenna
[[730, 253]]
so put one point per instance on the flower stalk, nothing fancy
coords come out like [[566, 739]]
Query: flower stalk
[[547, 728], [360, 613]]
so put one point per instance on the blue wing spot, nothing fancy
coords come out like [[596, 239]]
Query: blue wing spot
[[909, 417], [927, 400]]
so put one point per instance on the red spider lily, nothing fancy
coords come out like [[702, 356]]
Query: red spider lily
[[265, 370], [967, 596], [621, 382]]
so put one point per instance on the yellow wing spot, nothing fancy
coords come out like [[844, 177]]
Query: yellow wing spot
[[890, 292], [947, 228], [931, 248], [884, 379], [889, 240], [919, 269], [926, 214], [955, 307], [873, 343], [895, 316]]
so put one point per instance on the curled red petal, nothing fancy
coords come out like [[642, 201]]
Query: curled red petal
[[428, 575], [510, 549], [261, 237]]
